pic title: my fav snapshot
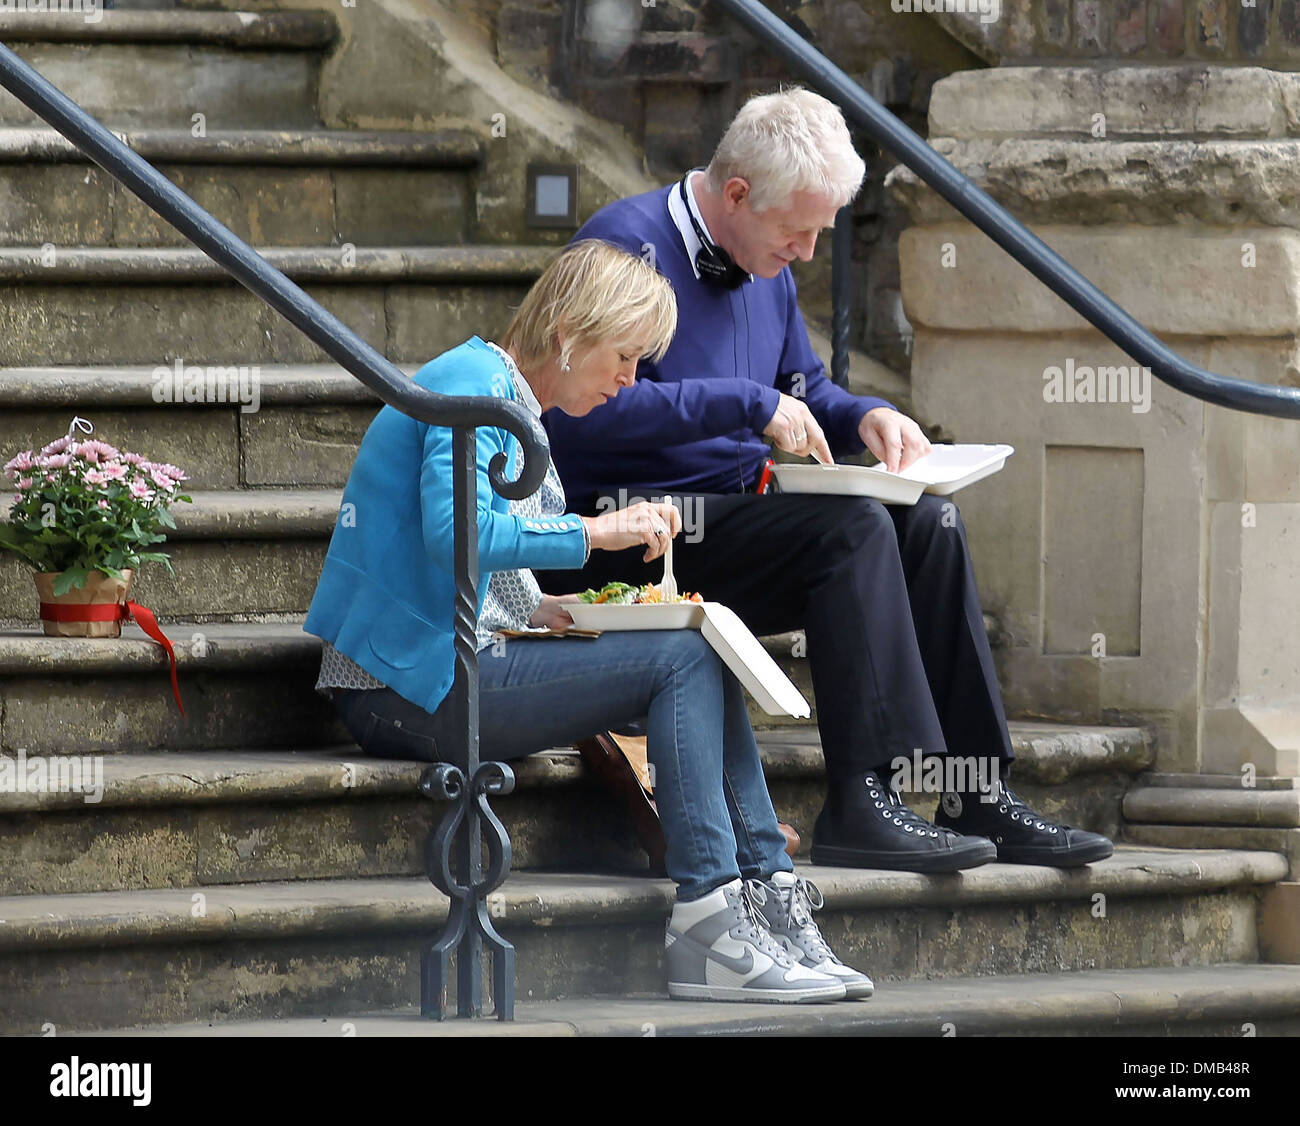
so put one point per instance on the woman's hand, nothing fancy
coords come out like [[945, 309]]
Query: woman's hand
[[551, 614], [645, 522]]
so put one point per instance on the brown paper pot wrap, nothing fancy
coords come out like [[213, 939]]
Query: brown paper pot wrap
[[99, 588]]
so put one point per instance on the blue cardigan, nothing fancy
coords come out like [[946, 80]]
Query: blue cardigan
[[385, 594], [694, 421]]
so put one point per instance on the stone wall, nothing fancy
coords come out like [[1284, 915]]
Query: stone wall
[[672, 74], [1264, 32], [1138, 552]]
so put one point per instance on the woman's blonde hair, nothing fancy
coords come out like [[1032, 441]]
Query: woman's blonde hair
[[594, 292], [791, 141]]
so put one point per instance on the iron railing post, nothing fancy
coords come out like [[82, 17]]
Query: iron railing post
[[841, 295], [468, 924]]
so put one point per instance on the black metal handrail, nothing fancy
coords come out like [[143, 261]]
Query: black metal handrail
[[468, 925], [1004, 228]]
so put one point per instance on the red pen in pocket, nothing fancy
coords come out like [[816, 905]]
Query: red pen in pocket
[[765, 481]]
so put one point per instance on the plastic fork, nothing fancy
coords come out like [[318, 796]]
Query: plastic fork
[[668, 587]]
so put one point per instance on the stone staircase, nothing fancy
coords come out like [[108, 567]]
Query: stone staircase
[[248, 866]]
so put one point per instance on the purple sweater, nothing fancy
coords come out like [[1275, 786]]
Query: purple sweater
[[693, 423]]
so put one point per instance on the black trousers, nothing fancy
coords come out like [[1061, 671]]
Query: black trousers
[[886, 597]]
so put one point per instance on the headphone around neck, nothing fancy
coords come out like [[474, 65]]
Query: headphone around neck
[[714, 264]]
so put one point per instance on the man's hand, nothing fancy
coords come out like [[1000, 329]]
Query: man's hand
[[893, 437], [644, 522], [551, 614], [794, 429]]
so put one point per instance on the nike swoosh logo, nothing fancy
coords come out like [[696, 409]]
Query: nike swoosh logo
[[744, 966]]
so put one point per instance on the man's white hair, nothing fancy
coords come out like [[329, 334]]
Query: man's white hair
[[791, 141]]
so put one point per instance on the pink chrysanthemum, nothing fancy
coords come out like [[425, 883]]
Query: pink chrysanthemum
[[141, 491], [19, 463], [95, 450]]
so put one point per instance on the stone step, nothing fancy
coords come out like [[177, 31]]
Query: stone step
[[235, 553], [176, 819], [249, 684], [98, 306], [181, 819], [1284, 841], [289, 29], [260, 70], [243, 685], [1253, 808], [319, 947], [1226, 1000], [363, 187], [282, 426], [278, 425]]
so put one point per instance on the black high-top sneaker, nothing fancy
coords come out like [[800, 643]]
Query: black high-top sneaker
[[1021, 835], [864, 824]]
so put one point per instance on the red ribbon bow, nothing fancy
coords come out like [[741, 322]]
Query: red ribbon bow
[[113, 612]]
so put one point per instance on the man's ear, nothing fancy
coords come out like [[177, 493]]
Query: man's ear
[[735, 192]]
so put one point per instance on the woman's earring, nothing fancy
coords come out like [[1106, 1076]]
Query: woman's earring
[[567, 366]]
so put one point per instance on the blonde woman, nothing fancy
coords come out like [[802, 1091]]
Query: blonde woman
[[384, 609]]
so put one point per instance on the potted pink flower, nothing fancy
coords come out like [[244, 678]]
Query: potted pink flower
[[85, 516]]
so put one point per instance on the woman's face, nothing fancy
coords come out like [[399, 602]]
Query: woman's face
[[598, 374]]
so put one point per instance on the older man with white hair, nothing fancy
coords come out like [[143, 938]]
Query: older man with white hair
[[885, 594]]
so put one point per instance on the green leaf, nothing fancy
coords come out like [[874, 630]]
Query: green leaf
[[72, 579]]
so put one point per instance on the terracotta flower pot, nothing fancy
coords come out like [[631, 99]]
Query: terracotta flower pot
[[99, 589]]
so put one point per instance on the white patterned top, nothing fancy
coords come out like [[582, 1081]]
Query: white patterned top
[[511, 596]]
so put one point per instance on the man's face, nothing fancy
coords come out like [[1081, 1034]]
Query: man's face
[[765, 242]]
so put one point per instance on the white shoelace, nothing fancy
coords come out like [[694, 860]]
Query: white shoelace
[[798, 903]]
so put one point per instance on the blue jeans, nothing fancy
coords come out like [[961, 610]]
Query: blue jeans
[[709, 787]]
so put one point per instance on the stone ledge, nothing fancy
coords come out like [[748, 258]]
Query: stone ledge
[[132, 386], [1283, 841], [1199, 100], [258, 514], [1046, 753], [462, 265], [180, 778], [1278, 809], [444, 148], [1021, 1004], [231, 647], [221, 777], [304, 30], [1218, 782], [1172, 282], [1158, 183], [318, 907]]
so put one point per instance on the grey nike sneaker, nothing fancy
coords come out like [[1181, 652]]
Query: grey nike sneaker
[[784, 904], [715, 950]]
